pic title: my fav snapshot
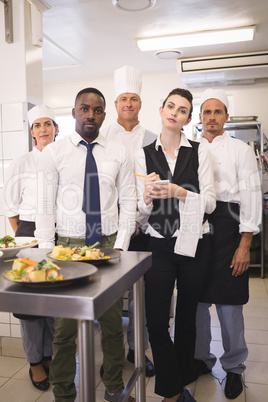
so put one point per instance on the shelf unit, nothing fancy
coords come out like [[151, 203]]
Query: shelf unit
[[246, 131]]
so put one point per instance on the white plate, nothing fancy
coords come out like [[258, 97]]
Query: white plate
[[13, 251]]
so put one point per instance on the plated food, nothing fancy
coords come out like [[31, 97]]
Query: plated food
[[78, 253], [26, 270], [11, 242], [10, 246]]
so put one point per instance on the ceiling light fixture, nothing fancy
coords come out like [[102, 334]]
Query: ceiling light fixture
[[197, 39], [168, 54], [127, 5]]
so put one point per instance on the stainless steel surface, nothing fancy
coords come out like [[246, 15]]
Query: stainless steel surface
[[86, 360], [85, 302], [238, 119], [138, 294]]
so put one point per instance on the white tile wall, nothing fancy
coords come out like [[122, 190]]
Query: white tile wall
[[12, 117], [4, 318], [13, 319], [15, 331], [5, 330], [2, 226], [1, 140], [1, 174], [1, 201], [15, 144]]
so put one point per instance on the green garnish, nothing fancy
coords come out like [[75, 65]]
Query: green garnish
[[85, 248], [7, 239], [40, 265]]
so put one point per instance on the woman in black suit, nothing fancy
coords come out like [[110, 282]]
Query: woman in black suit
[[176, 222]]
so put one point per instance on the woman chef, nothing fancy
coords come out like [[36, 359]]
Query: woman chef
[[20, 194]]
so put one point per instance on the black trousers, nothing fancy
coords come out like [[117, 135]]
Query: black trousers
[[174, 361]]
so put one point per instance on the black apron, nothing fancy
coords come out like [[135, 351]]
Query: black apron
[[221, 286]]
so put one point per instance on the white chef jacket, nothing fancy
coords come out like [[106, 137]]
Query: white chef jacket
[[237, 178], [62, 165], [133, 140], [192, 211], [20, 189]]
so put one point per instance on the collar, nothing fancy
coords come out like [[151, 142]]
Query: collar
[[215, 140], [184, 142], [121, 129], [76, 138]]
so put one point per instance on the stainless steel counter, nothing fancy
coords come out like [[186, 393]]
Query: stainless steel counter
[[86, 302]]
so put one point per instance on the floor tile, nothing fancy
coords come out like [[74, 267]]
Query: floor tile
[[10, 365], [256, 393], [17, 390]]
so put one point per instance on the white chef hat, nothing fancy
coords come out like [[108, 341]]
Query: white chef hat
[[213, 93], [38, 112], [127, 79]]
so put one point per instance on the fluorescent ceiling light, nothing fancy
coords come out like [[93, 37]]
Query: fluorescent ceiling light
[[197, 39]]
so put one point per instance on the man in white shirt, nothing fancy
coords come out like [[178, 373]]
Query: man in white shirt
[[63, 168], [128, 131], [234, 222]]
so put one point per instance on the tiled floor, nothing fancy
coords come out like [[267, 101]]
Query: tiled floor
[[15, 384]]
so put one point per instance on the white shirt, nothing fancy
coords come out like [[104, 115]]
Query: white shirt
[[192, 211], [132, 140], [63, 167], [20, 189], [236, 178]]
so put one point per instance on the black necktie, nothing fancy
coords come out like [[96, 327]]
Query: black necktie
[[91, 198]]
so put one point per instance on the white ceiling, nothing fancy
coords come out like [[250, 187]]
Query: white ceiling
[[86, 39]]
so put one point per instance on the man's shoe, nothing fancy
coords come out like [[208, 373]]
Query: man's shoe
[[200, 368], [149, 367], [114, 397], [233, 386]]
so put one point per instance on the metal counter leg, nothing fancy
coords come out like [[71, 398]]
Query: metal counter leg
[[86, 360], [138, 293]]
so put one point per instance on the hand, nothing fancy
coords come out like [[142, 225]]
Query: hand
[[240, 261], [170, 190], [118, 249], [149, 180]]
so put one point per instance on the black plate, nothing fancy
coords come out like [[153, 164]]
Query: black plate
[[70, 272], [107, 251]]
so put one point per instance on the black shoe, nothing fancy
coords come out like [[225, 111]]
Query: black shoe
[[233, 386], [149, 367], [186, 397], [200, 368], [41, 385]]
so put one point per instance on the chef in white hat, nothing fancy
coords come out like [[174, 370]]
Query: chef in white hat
[[128, 131], [235, 220], [20, 197]]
